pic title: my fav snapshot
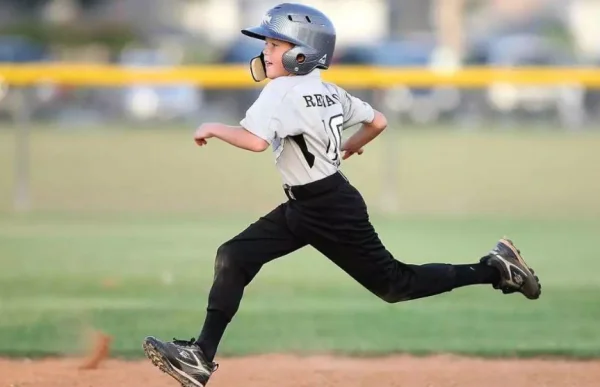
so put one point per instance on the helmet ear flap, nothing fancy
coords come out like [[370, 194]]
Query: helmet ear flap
[[298, 60], [258, 68]]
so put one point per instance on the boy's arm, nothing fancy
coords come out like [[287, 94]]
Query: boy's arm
[[234, 135], [367, 132]]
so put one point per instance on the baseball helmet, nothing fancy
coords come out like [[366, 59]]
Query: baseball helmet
[[308, 29]]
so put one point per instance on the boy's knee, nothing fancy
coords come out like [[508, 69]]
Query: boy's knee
[[231, 265], [392, 298], [394, 295], [226, 258]]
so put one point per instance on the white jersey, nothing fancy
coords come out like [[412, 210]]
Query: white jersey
[[302, 118]]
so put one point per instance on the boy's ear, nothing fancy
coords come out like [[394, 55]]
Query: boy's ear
[[258, 69]]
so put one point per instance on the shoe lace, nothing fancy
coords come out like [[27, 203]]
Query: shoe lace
[[192, 343]]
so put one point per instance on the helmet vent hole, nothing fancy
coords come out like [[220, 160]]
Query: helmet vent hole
[[299, 18], [300, 58]]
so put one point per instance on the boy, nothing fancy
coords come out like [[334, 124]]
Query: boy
[[302, 117]]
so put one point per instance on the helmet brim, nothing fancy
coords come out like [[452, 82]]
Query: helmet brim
[[262, 33], [256, 32]]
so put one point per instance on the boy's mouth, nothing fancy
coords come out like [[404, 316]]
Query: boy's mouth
[[267, 63]]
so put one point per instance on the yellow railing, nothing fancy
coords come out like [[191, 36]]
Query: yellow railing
[[238, 76]]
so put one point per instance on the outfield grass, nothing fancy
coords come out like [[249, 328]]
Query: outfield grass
[[55, 272], [437, 172], [126, 223]]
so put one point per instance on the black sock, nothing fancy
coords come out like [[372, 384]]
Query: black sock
[[214, 327], [477, 273]]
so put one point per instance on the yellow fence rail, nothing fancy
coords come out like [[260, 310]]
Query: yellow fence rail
[[238, 76]]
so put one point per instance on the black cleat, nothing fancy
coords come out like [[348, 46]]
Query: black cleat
[[182, 360], [515, 275]]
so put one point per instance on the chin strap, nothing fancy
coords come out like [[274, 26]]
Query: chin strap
[[258, 69]]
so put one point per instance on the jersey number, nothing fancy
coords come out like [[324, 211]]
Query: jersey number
[[334, 132]]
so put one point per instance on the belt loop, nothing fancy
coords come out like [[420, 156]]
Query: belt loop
[[288, 192]]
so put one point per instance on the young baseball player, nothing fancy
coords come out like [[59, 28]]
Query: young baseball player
[[302, 117]]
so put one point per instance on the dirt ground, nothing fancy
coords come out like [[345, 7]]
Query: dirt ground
[[291, 371]]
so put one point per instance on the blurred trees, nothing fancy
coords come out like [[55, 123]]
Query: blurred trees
[[33, 5], [29, 21]]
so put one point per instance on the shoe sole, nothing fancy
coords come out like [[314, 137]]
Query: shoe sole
[[508, 243], [161, 362]]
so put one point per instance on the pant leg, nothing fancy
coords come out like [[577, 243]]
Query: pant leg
[[338, 226], [240, 259], [237, 263]]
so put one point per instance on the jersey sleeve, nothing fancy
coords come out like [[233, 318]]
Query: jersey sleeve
[[356, 111], [261, 118]]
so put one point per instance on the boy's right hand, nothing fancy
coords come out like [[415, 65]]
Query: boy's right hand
[[202, 133]]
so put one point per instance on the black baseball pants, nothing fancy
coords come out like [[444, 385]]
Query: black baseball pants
[[331, 216]]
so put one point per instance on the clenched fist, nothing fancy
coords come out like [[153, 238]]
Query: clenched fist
[[202, 133]]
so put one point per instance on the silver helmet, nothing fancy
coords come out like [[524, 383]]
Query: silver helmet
[[308, 29]]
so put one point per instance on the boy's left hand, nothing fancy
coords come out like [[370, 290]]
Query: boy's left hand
[[202, 133], [348, 153]]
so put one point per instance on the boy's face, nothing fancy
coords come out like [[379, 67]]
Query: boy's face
[[274, 50]]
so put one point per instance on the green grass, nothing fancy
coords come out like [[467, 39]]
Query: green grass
[[428, 172], [53, 268], [146, 210]]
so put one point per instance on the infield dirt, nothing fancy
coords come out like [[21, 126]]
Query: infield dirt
[[314, 371]]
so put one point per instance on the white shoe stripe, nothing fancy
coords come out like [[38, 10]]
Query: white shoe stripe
[[198, 364], [185, 375]]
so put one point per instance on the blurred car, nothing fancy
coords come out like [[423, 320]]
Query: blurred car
[[528, 50], [419, 104], [162, 102], [15, 50]]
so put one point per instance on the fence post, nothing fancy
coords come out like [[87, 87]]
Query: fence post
[[22, 193]]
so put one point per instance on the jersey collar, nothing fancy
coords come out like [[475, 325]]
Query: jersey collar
[[315, 73]]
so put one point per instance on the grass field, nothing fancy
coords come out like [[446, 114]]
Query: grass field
[[437, 172], [125, 226]]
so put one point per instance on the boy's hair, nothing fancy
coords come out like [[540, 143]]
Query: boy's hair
[[308, 29]]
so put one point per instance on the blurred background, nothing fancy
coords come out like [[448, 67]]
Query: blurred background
[[110, 215], [399, 33], [428, 34]]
